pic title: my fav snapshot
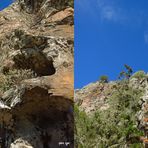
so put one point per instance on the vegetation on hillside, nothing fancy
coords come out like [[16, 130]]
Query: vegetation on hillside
[[139, 74], [115, 127]]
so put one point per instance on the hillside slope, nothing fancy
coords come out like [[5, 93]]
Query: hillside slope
[[113, 114]]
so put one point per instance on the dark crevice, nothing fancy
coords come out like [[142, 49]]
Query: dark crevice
[[5, 136], [45, 139], [37, 62]]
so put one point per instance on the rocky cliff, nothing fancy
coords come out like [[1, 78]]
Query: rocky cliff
[[113, 114], [36, 74]]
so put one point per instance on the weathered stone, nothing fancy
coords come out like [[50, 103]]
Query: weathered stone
[[37, 111], [93, 96], [62, 17]]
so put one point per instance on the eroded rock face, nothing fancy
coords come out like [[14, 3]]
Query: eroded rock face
[[142, 117], [36, 74], [32, 6], [94, 96]]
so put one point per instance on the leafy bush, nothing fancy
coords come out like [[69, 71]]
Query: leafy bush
[[139, 75], [104, 79]]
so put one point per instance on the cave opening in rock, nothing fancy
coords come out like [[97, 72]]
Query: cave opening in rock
[[37, 62]]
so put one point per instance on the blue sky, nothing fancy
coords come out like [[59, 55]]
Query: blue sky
[[109, 34], [4, 3]]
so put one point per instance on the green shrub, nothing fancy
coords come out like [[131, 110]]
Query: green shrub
[[104, 79], [139, 75], [136, 145]]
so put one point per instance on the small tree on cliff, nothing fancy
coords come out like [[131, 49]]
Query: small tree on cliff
[[127, 73]]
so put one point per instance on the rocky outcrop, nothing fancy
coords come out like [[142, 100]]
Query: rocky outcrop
[[143, 117], [94, 96], [36, 74]]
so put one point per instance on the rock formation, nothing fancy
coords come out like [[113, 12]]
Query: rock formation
[[36, 74], [142, 116], [93, 96]]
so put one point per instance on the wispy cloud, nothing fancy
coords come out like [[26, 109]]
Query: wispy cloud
[[106, 10], [114, 12], [110, 11], [146, 37]]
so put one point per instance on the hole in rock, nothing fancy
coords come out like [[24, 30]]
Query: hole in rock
[[37, 62]]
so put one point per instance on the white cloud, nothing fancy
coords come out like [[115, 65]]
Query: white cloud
[[146, 37], [109, 11], [114, 12]]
